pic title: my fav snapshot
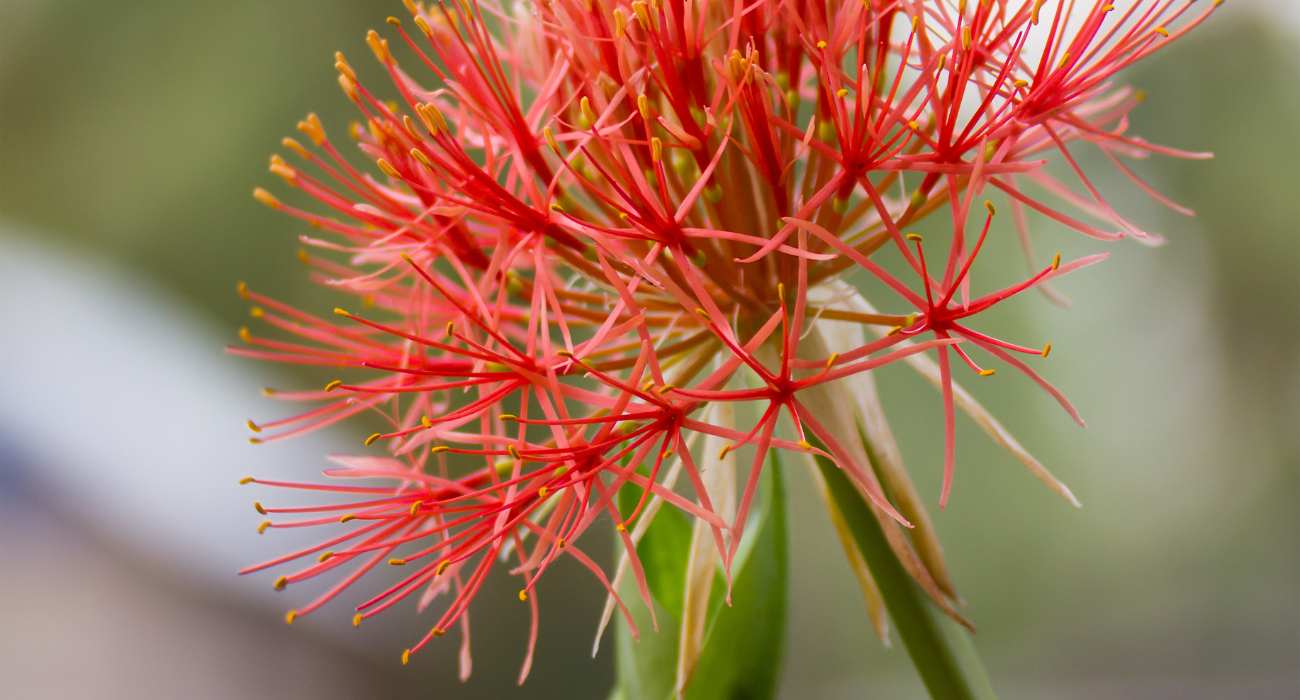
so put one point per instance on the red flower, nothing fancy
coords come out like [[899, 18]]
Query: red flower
[[602, 217]]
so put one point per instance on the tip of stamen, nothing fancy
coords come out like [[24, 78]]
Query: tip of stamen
[[333, 384], [523, 596], [261, 527], [253, 426], [280, 583], [246, 480], [356, 620], [915, 237], [241, 288], [257, 506], [370, 439], [988, 372], [324, 557], [406, 656], [290, 616], [396, 562], [1047, 350]]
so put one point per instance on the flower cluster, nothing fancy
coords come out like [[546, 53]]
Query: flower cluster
[[582, 222]]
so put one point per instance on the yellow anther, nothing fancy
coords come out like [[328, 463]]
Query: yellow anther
[[397, 562], [643, 106], [371, 438], [253, 426], [523, 596], [241, 288], [334, 384], [549, 135], [245, 334], [992, 209], [406, 656], [804, 444], [621, 527], [432, 117], [442, 566], [914, 237], [303, 257], [1033, 14], [665, 389], [1047, 350], [415, 508], [420, 156], [296, 147], [438, 449], [356, 620], [266, 198], [821, 43], [388, 168], [1056, 262], [438, 631], [830, 361], [281, 169], [426, 421], [509, 417], [340, 311], [343, 67], [450, 329], [913, 125], [642, 13], [1162, 31], [842, 92], [543, 492], [988, 372], [348, 518], [656, 149], [257, 506], [290, 616], [268, 391], [324, 557], [513, 451], [280, 583], [560, 543], [588, 114], [379, 46], [257, 312], [261, 527], [313, 129], [1020, 82], [620, 23], [965, 37], [780, 291], [246, 480], [722, 453]]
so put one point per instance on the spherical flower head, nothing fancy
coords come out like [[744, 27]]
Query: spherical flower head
[[583, 227]]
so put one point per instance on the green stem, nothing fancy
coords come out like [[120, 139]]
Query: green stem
[[942, 650]]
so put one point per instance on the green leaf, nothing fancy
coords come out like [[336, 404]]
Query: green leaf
[[941, 650], [743, 643]]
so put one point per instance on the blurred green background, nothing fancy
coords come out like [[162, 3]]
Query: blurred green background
[[132, 133]]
